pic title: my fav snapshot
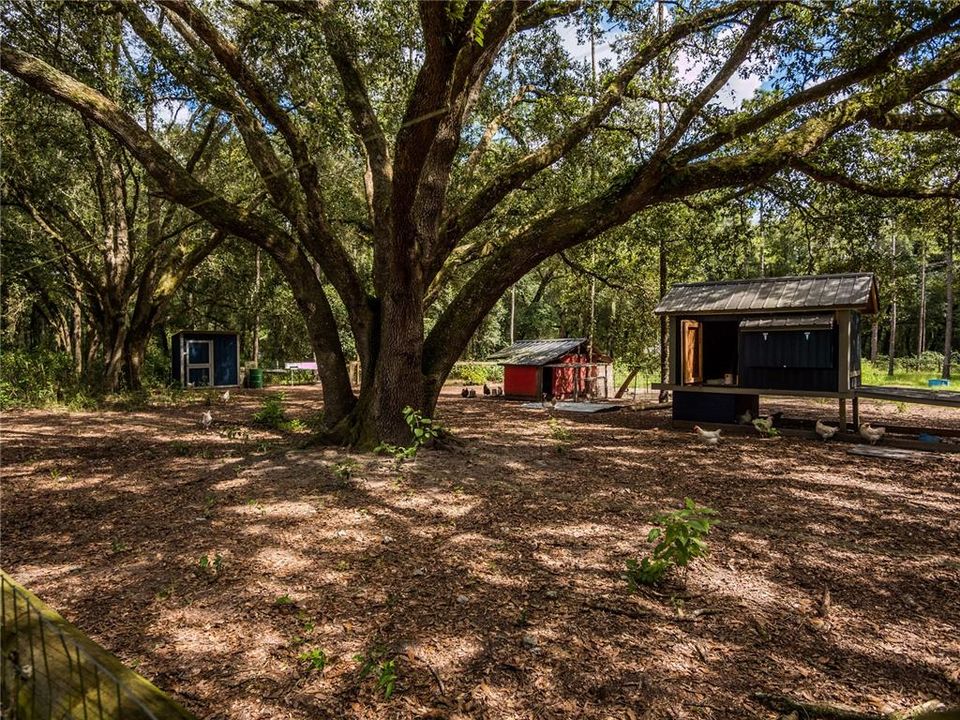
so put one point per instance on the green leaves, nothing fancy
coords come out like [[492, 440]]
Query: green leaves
[[316, 659], [680, 534], [423, 431], [386, 670], [271, 411]]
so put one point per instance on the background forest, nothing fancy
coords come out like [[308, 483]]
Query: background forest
[[100, 269]]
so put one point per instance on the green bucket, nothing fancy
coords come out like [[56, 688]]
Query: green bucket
[[255, 378]]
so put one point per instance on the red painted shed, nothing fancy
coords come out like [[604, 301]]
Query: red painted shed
[[533, 369]]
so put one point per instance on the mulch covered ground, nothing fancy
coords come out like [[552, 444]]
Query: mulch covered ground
[[491, 574]]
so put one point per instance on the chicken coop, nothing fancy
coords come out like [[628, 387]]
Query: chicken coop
[[565, 368], [733, 341], [202, 358]]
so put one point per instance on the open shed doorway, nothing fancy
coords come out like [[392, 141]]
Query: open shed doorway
[[721, 363]]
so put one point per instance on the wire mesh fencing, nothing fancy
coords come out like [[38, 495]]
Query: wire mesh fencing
[[50, 669]]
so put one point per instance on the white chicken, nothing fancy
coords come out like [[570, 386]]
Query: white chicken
[[826, 431], [745, 418], [206, 419], [225, 397], [710, 438], [871, 434]]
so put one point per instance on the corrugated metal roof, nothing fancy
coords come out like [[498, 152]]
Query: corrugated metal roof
[[810, 292], [536, 352], [788, 322]]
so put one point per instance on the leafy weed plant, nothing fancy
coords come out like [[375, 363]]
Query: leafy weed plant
[[679, 541], [315, 659], [213, 566], [374, 663], [271, 412], [423, 430]]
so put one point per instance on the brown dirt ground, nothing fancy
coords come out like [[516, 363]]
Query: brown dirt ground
[[492, 573]]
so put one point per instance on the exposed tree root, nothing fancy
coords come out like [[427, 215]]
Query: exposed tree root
[[930, 710]]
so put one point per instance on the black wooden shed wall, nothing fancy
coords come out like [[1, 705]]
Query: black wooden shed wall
[[789, 359]]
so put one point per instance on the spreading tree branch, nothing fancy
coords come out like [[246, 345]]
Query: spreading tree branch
[[567, 227], [472, 213], [825, 175]]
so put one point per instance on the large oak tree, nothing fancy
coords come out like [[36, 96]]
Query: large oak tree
[[446, 221]]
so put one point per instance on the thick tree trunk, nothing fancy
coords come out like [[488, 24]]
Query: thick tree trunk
[[135, 352], [113, 345], [338, 397], [397, 376]]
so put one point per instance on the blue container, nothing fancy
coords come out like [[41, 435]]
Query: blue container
[[937, 382]]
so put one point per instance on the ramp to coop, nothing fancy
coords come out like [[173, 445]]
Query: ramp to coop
[[50, 669]]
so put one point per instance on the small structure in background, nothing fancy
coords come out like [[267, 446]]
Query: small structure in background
[[201, 358], [302, 365], [735, 340], [561, 369]]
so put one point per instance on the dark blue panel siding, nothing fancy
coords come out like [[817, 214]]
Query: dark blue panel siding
[[713, 407], [225, 368], [789, 349], [789, 379], [789, 360]]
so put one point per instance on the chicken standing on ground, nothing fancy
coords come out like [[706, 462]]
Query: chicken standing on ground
[[472, 393], [871, 434], [707, 437], [206, 419], [465, 392], [225, 397], [763, 425], [486, 389], [826, 431], [745, 418]]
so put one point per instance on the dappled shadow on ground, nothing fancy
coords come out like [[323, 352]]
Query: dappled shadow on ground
[[492, 573]]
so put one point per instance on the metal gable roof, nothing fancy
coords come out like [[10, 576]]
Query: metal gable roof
[[810, 292], [536, 352]]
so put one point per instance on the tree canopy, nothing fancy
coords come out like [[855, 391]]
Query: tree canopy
[[406, 164]]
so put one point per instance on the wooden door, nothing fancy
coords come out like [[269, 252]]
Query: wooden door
[[692, 338]]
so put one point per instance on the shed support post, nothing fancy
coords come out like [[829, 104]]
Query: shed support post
[[843, 414], [856, 412], [843, 351]]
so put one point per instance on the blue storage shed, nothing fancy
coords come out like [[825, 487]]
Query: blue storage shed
[[202, 358]]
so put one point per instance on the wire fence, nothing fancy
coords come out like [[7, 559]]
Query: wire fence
[[51, 670]]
